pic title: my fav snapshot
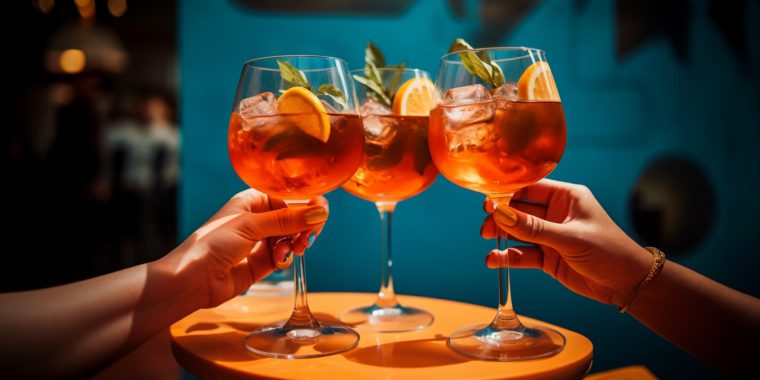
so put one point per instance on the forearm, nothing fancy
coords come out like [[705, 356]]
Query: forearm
[[707, 319], [81, 327]]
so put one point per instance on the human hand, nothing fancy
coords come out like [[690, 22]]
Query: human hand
[[243, 242], [577, 242]]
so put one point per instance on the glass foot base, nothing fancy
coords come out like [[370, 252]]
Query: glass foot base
[[301, 343], [484, 343], [388, 319]]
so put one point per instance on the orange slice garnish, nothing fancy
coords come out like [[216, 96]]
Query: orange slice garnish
[[414, 98], [537, 83], [298, 100]]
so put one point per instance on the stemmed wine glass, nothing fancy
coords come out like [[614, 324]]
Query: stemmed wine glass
[[499, 127], [396, 166], [295, 133]]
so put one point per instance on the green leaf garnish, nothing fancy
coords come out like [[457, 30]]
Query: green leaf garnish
[[478, 64], [373, 80], [336, 94], [373, 55], [497, 75], [292, 75], [374, 91], [371, 71]]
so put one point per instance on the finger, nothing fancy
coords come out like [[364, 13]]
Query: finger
[[282, 254], [516, 257], [489, 230], [541, 191], [283, 222], [250, 200], [319, 201], [512, 238], [530, 208], [242, 277], [260, 265], [276, 203], [488, 206], [305, 240], [244, 201], [530, 228]]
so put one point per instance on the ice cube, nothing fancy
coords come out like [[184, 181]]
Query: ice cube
[[384, 147], [369, 178], [379, 129], [373, 107], [259, 105], [470, 137], [461, 115], [466, 94], [507, 91]]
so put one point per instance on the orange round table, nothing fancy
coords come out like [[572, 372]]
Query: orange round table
[[209, 344]]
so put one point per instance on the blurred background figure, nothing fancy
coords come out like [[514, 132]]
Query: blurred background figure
[[165, 144], [141, 147], [92, 147]]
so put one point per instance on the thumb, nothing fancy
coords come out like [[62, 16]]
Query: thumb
[[529, 227], [285, 221]]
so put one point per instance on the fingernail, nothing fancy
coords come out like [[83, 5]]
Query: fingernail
[[316, 216], [311, 238], [505, 216]]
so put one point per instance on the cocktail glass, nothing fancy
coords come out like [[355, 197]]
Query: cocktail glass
[[296, 149], [396, 166], [496, 141]]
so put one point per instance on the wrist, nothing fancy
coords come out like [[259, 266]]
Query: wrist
[[635, 270], [183, 267], [658, 261]]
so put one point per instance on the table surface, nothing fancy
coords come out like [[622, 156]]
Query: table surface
[[209, 344]]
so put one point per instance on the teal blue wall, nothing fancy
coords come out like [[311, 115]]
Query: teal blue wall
[[621, 114]]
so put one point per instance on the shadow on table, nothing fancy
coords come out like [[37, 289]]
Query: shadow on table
[[420, 353], [223, 346], [223, 341]]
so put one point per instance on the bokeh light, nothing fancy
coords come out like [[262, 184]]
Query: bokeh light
[[72, 61]]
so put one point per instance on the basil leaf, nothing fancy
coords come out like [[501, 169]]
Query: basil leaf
[[373, 55], [458, 45], [486, 59], [497, 75], [374, 74], [292, 75], [373, 90], [377, 97], [476, 67], [479, 64], [336, 94]]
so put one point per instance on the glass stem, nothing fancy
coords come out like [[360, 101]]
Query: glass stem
[[506, 318], [386, 297], [301, 316]]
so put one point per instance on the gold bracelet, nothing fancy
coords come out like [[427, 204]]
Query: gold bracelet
[[659, 261]]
